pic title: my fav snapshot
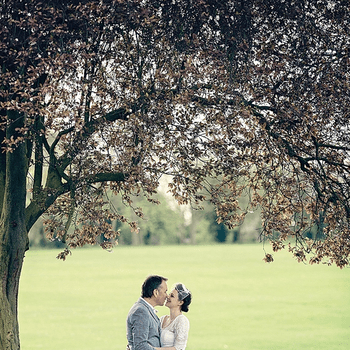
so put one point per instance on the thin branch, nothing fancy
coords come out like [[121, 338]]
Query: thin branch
[[58, 137]]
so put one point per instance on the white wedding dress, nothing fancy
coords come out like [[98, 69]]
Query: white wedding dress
[[176, 333]]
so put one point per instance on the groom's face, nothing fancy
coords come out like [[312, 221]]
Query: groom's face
[[161, 294]]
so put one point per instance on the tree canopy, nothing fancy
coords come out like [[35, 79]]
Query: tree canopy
[[116, 94]]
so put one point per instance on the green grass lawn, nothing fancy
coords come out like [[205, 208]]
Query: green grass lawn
[[239, 301]]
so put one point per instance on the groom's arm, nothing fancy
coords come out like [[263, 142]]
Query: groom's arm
[[140, 323]]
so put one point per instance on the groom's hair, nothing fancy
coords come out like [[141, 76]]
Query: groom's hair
[[151, 283]]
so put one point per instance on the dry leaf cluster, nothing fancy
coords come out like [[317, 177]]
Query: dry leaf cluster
[[228, 98]]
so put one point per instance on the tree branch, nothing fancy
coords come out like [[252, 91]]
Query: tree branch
[[118, 114], [88, 129], [39, 157]]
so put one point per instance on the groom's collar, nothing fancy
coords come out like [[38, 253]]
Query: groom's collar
[[147, 303]]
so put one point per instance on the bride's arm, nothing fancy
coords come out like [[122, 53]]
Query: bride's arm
[[181, 333]]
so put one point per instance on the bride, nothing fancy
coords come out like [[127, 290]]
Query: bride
[[175, 326]]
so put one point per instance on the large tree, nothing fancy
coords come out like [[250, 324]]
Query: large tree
[[229, 98]]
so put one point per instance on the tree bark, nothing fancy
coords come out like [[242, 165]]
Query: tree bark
[[13, 236]]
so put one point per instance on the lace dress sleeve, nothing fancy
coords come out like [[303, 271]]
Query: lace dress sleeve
[[182, 327]]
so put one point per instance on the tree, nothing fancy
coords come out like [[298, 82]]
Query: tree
[[231, 99], [304, 50], [161, 224]]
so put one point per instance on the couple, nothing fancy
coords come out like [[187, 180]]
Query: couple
[[145, 331]]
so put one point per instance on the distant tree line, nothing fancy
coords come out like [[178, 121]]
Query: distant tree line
[[167, 223]]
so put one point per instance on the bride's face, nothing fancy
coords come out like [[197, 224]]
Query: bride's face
[[172, 300]]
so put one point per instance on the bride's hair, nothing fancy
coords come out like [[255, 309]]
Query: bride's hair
[[184, 295], [186, 304]]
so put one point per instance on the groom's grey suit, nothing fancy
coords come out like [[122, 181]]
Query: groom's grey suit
[[143, 327]]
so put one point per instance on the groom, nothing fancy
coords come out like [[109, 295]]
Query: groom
[[143, 325]]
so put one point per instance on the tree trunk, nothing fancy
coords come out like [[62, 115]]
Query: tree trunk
[[13, 237]]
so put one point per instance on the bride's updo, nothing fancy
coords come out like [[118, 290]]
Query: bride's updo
[[187, 302], [184, 295]]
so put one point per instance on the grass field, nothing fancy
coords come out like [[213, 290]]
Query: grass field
[[239, 301]]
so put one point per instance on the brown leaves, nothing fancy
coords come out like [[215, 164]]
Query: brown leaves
[[63, 255], [229, 100], [268, 258]]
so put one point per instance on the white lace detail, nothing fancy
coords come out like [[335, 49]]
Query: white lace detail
[[176, 333]]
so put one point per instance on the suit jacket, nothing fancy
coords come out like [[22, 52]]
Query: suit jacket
[[143, 327]]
